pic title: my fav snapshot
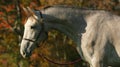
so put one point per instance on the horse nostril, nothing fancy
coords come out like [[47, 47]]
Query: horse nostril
[[24, 53]]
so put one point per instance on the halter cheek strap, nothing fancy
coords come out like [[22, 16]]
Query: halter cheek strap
[[41, 14]]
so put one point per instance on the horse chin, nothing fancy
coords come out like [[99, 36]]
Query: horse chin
[[39, 44]]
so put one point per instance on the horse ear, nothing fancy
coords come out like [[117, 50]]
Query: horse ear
[[31, 11], [26, 11]]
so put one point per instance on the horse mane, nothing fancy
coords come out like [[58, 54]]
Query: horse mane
[[68, 6]]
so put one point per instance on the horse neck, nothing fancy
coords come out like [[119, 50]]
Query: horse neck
[[66, 20], [64, 28]]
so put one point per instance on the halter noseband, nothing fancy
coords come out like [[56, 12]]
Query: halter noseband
[[42, 28]]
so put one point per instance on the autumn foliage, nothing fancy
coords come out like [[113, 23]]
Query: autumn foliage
[[58, 47]]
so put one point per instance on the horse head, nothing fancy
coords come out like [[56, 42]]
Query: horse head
[[33, 32]]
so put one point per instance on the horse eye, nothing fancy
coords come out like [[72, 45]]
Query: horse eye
[[32, 27]]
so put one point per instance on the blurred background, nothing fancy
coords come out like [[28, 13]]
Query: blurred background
[[57, 47]]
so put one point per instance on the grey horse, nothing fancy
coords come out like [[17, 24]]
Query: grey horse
[[95, 32]]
